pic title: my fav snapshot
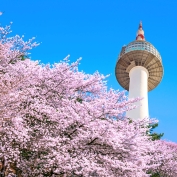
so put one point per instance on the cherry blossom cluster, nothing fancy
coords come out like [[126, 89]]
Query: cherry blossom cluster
[[58, 121]]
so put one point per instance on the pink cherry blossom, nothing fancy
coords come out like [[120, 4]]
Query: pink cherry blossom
[[58, 121]]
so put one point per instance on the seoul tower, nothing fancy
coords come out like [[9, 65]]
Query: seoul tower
[[139, 69]]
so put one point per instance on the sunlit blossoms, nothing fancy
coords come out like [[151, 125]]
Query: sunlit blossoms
[[166, 158], [58, 121]]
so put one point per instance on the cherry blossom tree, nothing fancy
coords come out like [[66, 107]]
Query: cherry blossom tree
[[58, 121], [166, 158]]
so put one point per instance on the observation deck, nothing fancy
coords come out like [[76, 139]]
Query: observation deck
[[139, 53]]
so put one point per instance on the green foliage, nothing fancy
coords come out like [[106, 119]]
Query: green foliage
[[130, 121], [23, 57], [79, 100], [154, 136], [155, 175], [26, 154]]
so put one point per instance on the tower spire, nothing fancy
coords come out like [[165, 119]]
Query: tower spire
[[140, 33]]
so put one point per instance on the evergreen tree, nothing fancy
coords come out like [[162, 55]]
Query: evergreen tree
[[155, 136]]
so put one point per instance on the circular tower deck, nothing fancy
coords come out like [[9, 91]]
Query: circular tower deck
[[139, 53]]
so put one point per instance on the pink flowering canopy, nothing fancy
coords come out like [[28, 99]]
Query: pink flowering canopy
[[58, 121]]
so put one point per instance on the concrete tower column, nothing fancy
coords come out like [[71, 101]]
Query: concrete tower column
[[138, 87]]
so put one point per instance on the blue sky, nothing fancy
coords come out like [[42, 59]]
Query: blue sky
[[96, 30]]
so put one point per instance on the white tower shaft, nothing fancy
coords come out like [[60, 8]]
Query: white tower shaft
[[138, 87]]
